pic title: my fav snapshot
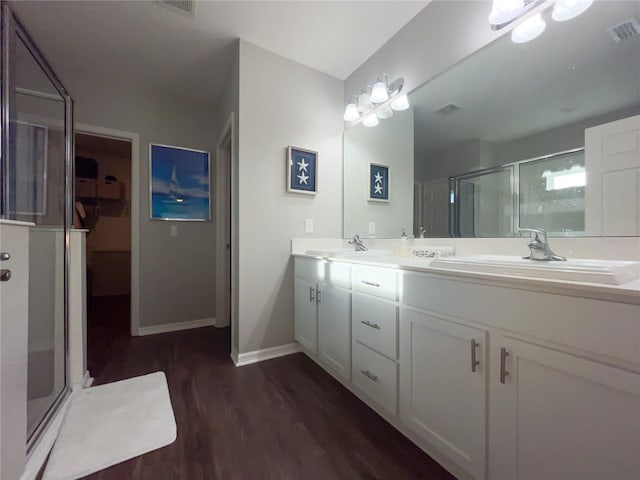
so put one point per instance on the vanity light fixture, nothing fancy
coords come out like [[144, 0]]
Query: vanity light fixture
[[377, 103], [529, 29], [364, 99], [351, 113], [504, 11], [565, 10], [371, 120], [401, 103], [384, 112], [379, 92]]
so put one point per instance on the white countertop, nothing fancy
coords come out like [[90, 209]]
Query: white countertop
[[626, 293]]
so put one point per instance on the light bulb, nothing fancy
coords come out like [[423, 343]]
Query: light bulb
[[351, 112], [529, 29], [364, 102], [504, 11], [379, 92], [384, 112], [565, 10], [401, 103], [370, 121]]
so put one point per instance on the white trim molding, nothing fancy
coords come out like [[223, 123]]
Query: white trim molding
[[248, 358], [177, 326]]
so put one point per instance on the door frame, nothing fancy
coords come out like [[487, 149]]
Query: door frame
[[226, 171], [134, 139]]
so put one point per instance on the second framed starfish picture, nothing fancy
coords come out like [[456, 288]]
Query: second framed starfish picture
[[302, 171], [378, 182]]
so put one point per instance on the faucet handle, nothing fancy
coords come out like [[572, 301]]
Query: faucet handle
[[536, 233]]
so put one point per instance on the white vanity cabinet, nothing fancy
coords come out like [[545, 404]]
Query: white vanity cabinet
[[322, 312], [554, 415], [443, 386]]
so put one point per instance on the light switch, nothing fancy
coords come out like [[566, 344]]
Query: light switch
[[372, 228], [308, 225], [173, 230]]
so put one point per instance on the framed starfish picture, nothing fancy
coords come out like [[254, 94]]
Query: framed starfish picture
[[302, 171], [378, 182]]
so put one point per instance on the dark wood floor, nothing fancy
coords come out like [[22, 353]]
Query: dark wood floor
[[281, 419]]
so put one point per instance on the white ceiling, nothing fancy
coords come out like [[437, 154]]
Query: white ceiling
[[151, 45], [573, 71]]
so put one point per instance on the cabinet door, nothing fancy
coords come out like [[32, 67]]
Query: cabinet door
[[443, 386], [558, 416], [334, 328], [306, 327]]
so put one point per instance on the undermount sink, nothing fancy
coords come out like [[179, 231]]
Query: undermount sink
[[613, 272], [348, 253]]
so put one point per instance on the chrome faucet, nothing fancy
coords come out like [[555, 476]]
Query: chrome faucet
[[357, 243], [539, 246], [422, 232]]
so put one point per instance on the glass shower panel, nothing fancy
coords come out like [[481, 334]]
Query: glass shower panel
[[36, 193], [485, 204], [552, 194]]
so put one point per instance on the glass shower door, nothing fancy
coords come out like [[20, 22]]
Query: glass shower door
[[36, 188]]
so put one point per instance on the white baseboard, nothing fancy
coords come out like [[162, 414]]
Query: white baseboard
[[265, 354], [234, 356], [174, 327], [220, 323]]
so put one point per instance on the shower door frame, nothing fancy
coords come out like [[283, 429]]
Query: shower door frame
[[10, 30]]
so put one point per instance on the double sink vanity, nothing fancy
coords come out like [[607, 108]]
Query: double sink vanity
[[496, 366]]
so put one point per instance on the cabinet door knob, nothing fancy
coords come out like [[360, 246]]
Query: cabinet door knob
[[474, 361], [5, 275], [4, 256], [503, 365]]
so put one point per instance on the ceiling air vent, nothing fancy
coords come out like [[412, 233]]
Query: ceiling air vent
[[184, 6], [447, 109], [625, 30]]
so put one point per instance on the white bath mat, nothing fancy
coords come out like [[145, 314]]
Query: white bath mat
[[111, 423]]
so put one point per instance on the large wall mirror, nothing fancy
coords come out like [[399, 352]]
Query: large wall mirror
[[542, 134]]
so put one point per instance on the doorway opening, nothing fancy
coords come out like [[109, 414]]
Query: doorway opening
[[103, 206]]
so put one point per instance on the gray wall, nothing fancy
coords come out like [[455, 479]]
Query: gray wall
[[177, 274], [281, 103]]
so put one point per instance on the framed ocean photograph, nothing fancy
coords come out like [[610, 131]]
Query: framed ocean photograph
[[378, 182], [302, 171], [179, 184]]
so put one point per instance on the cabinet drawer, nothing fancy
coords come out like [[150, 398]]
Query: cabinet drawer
[[309, 268], [375, 323], [376, 281], [376, 376], [338, 274]]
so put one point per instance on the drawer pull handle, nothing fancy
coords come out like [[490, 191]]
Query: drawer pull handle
[[474, 361], [4, 256], [503, 365], [311, 291], [5, 275], [372, 284], [370, 324], [369, 375], [318, 298]]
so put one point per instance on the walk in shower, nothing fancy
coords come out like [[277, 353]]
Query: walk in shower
[[36, 173]]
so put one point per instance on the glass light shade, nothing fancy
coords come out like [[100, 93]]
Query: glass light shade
[[401, 103], [364, 102], [504, 11], [371, 121], [351, 113], [379, 92], [529, 29], [384, 112], [565, 10]]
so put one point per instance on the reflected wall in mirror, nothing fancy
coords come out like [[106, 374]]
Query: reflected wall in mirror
[[542, 134]]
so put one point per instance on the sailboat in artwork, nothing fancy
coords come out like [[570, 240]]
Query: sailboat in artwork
[[175, 192]]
